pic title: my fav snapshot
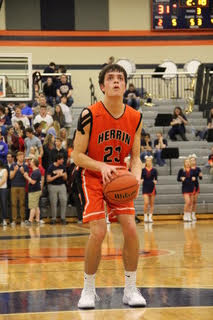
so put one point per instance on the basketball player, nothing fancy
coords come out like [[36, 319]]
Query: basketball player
[[108, 132], [149, 178], [185, 175], [196, 171]]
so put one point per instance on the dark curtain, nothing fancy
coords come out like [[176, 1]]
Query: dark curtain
[[57, 15]]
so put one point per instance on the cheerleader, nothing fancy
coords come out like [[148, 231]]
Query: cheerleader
[[185, 175], [149, 180], [196, 172]]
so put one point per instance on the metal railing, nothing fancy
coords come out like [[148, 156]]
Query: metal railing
[[164, 86]]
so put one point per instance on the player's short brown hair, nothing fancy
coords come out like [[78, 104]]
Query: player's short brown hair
[[110, 68]]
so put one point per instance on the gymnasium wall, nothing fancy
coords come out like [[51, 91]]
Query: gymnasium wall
[[86, 56]]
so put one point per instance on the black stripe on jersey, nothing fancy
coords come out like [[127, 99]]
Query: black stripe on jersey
[[141, 116], [111, 114]]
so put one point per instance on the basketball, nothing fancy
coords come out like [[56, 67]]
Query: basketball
[[122, 188]]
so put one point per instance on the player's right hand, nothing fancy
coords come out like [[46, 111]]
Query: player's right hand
[[107, 172]]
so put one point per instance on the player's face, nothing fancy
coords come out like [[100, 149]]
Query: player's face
[[114, 84]]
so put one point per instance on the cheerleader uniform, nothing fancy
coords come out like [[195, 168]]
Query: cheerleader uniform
[[195, 173], [148, 176], [187, 185]]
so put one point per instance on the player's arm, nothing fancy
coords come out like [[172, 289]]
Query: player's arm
[[80, 148], [135, 162]]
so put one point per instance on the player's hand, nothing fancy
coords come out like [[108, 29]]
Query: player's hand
[[107, 172]]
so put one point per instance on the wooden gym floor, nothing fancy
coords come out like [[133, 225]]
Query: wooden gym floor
[[41, 272]]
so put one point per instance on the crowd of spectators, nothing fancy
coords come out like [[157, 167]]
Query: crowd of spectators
[[35, 146]]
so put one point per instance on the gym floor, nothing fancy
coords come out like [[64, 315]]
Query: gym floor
[[41, 272]]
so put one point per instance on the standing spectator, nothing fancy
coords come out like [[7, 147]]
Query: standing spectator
[[51, 68], [64, 88], [159, 144], [32, 141], [197, 173], [3, 149], [67, 114], [3, 194], [132, 97], [2, 116], [10, 162], [20, 133], [18, 184], [59, 149], [38, 132], [59, 116], [42, 102], [49, 90], [12, 139], [210, 162], [146, 147], [48, 146], [178, 125], [34, 188], [64, 138], [43, 118], [19, 117], [8, 116], [56, 179]]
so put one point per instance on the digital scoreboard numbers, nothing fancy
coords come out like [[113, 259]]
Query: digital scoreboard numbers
[[182, 15]]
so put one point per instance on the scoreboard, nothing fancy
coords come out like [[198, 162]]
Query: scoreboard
[[182, 15]]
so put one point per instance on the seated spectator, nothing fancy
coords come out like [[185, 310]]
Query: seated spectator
[[42, 102], [3, 149], [67, 114], [59, 149], [49, 91], [146, 147], [59, 116], [19, 117], [2, 116], [26, 111], [51, 68], [110, 61], [64, 138], [178, 125], [20, 133], [132, 97], [56, 179], [64, 88], [48, 146], [8, 116], [210, 162], [32, 141], [159, 144], [45, 119], [12, 140], [204, 133]]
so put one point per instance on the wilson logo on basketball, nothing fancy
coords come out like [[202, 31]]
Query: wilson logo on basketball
[[119, 196]]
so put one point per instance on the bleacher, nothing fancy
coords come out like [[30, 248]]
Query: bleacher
[[169, 199]]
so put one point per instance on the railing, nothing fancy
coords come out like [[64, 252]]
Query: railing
[[164, 86]]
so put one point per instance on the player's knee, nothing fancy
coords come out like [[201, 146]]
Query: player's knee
[[98, 235], [130, 231]]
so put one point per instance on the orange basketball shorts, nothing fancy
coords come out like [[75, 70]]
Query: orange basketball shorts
[[94, 201]]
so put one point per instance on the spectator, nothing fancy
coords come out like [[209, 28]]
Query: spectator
[[45, 119], [12, 139], [3, 194], [59, 149], [32, 141], [56, 178], [34, 192], [20, 133], [146, 147], [8, 116], [159, 144], [42, 102], [204, 133], [49, 90], [64, 88], [132, 97], [2, 116], [51, 68], [178, 125], [110, 61], [3, 149], [59, 116], [26, 111], [68, 117], [38, 132], [18, 184], [48, 146], [63, 136], [10, 162], [19, 117]]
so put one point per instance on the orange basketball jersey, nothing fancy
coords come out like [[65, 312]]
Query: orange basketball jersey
[[111, 139]]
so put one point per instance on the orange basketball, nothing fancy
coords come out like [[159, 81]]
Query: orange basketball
[[122, 188]]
